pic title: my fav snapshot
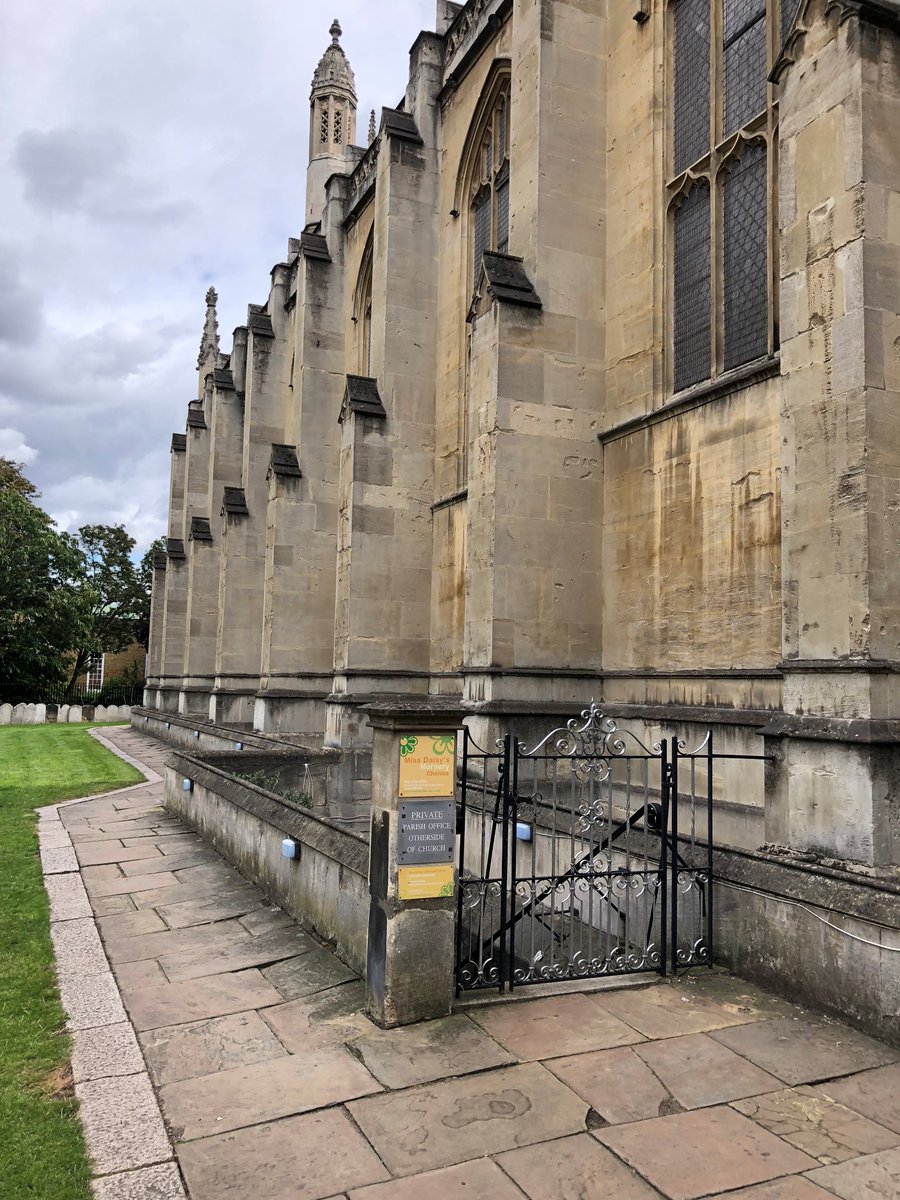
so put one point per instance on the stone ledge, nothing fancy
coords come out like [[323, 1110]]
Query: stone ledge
[[861, 731], [341, 845]]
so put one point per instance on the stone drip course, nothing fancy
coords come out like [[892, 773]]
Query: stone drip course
[[221, 1052]]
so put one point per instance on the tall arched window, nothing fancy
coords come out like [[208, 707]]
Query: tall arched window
[[362, 314], [488, 181], [722, 182]]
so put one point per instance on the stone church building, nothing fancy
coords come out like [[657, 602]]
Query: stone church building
[[581, 379]]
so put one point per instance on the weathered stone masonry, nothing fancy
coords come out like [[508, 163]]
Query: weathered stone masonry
[[447, 457]]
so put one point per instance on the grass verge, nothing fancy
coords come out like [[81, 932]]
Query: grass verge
[[42, 1153]]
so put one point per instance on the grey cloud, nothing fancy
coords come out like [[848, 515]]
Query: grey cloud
[[59, 166], [21, 307]]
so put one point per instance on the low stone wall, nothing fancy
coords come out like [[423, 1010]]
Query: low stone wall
[[62, 714], [819, 935], [342, 778], [326, 889]]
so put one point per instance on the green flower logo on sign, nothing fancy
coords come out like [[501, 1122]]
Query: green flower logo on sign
[[408, 745], [447, 889], [443, 744]]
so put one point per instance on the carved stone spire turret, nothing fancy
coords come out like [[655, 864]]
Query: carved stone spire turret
[[373, 128], [333, 101], [209, 343], [332, 121]]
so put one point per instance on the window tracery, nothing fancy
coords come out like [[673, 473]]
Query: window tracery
[[489, 187]]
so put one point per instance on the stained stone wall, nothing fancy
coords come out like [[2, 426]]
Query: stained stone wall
[[428, 476]]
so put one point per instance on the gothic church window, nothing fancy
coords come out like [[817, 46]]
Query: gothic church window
[[362, 313], [490, 184], [721, 184]]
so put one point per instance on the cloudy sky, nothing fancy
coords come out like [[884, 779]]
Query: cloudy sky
[[149, 148]]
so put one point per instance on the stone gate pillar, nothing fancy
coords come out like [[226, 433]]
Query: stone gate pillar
[[412, 866]]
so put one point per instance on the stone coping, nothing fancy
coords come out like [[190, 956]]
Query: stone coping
[[346, 847]]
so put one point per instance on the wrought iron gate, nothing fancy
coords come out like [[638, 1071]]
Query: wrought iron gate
[[587, 854]]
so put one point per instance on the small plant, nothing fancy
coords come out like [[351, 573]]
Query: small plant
[[271, 783]]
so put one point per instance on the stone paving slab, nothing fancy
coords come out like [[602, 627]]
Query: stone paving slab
[[799, 1051], [666, 1012], [616, 1084], [139, 974], [130, 924], [875, 1094], [92, 854], [232, 1099], [203, 911], [266, 918], [458, 1119], [238, 952], [873, 1177], [301, 1158], [555, 1026], [151, 1183], [311, 970], [195, 857], [469, 1181], [574, 1168], [794, 1187], [176, 894], [704, 1152], [203, 1047], [178, 1003], [401, 1058], [122, 885], [700, 1072], [103, 1053], [331, 1018], [177, 945], [820, 1127], [122, 1123]]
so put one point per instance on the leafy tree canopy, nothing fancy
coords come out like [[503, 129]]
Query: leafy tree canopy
[[63, 598], [40, 617], [12, 478], [111, 598]]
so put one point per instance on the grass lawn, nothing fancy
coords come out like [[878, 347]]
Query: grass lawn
[[42, 1154]]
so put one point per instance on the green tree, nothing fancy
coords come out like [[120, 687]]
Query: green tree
[[41, 617], [110, 595], [12, 478], [145, 575]]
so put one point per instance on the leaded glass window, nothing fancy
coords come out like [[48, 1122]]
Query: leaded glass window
[[721, 165], [745, 256], [691, 110], [692, 288], [490, 184]]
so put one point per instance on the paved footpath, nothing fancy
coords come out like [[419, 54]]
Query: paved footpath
[[249, 1036]]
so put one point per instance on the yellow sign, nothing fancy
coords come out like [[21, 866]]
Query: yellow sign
[[427, 764], [425, 883]]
